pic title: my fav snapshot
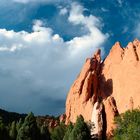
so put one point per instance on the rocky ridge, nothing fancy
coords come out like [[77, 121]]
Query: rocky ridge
[[103, 89]]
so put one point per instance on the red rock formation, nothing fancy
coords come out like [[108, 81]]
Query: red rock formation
[[83, 92], [113, 83], [62, 118]]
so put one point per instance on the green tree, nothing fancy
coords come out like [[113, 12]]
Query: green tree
[[29, 129], [13, 131], [3, 131], [128, 126], [68, 131], [19, 124], [58, 132], [44, 133], [80, 130]]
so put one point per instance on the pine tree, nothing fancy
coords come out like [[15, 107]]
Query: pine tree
[[58, 132], [19, 124], [80, 130], [68, 131], [3, 131], [13, 131], [44, 133], [128, 126], [29, 129]]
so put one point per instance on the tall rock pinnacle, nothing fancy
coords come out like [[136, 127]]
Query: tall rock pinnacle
[[104, 89]]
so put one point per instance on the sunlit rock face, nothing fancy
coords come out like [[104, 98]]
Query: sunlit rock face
[[83, 93], [114, 83]]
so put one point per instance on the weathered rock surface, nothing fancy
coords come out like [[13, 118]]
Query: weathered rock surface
[[114, 83], [83, 92], [62, 118], [97, 119]]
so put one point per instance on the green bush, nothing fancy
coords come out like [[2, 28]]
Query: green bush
[[128, 126]]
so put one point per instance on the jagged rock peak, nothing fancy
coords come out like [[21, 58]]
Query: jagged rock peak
[[136, 42], [97, 55], [114, 83], [83, 92], [117, 46]]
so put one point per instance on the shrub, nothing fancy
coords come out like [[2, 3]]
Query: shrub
[[128, 126]]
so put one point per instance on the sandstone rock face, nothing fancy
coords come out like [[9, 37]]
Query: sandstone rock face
[[111, 111], [97, 119], [114, 83], [83, 92], [62, 118]]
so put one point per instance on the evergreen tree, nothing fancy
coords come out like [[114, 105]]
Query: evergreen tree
[[58, 132], [3, 131], [44, 133], [29, 129], [19, 124], [13, 131], [68, 131], [80, 130], [128, 126]]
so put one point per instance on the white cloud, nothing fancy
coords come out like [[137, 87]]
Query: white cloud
[[42, 63], [94, 38], [63, 11], [38, 1]]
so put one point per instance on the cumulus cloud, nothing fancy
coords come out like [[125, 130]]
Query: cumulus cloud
[[94, 38], [38, 68]]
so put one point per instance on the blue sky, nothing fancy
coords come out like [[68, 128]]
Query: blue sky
[[43, 45]]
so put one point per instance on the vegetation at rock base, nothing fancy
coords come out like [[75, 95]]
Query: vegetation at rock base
[[58, 132], [128, 126], [80, 130], [30, 128], [23, 129], [68, 131], [35, 128]]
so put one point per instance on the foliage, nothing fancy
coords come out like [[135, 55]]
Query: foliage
[[58, 132], [19, 124], [13, 131], [80, 130], [44, 133], [3, 131], [9, 117], [68, 131], [29, 130], [128, 126], [35, 128]]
